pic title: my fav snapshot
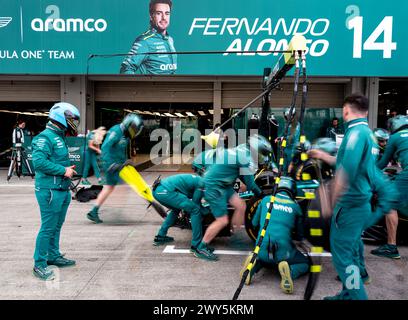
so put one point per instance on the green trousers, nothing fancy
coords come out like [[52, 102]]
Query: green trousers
[[53, 207], [401, 184], [278, 252], [347, 248], [177, 201], [91, 160]]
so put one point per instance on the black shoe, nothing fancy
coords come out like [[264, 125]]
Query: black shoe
[[204, 253], [343, 295], [43, 273], [161, 240], [387, 251], [193, 249], [61, 262], [93, 216]]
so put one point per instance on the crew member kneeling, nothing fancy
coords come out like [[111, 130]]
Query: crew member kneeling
[[277, 248]]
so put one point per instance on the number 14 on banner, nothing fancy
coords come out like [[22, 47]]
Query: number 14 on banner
[[385, 27]]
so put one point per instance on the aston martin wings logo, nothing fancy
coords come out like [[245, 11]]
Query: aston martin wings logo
[[4, 21], [74, 149]]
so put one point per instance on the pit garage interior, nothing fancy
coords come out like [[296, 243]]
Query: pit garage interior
[[192, 102]]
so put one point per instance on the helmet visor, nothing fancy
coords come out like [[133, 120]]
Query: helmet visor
[[73, 125], [134, 130]]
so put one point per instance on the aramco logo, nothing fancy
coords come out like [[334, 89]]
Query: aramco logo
[[69, 25]]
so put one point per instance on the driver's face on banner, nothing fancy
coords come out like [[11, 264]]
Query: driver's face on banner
[[161, 17]]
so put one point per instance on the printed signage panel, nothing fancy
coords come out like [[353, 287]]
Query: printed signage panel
[[345, 38]]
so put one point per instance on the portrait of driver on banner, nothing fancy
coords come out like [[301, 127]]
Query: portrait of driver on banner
[[155, 40]]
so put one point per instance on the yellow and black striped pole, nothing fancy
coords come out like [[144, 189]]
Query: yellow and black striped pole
[[282, 147], [314, 216]]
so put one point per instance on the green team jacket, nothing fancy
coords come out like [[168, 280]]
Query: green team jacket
[[356, 158], [114, 148], [231, 164], [90, 136], [187, 184], [50, 158], [397, 148], [151, 41], [286, 217], [204, 160]]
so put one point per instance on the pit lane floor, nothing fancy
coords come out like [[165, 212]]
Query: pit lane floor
[[116, 260]]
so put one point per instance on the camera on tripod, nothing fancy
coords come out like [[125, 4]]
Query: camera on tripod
[[18, 156]]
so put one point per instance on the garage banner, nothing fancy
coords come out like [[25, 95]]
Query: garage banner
[[136, 37]]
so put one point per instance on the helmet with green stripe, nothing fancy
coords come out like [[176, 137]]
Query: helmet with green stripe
[[261, 146], [326, 144], [381, 134], [397, 123], [288, 185], [132, 125]]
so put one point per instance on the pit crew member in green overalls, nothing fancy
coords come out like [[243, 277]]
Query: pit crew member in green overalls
[[180, 192], [239, 162], [397, 149], [114, 155], [277, 248], [53, 173]]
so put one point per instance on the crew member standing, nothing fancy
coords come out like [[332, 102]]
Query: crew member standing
[[53, 174], [19, 132], [356, 178]]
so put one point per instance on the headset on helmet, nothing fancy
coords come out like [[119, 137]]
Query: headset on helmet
[[397, 123], [326, 144], [132, 125], [65, 115], [381, 134], [288, 185]]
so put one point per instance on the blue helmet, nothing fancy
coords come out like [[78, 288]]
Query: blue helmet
[[132, 125], [65, 115], [288, 185], [397, 123], [381, 134], [327, 145]]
